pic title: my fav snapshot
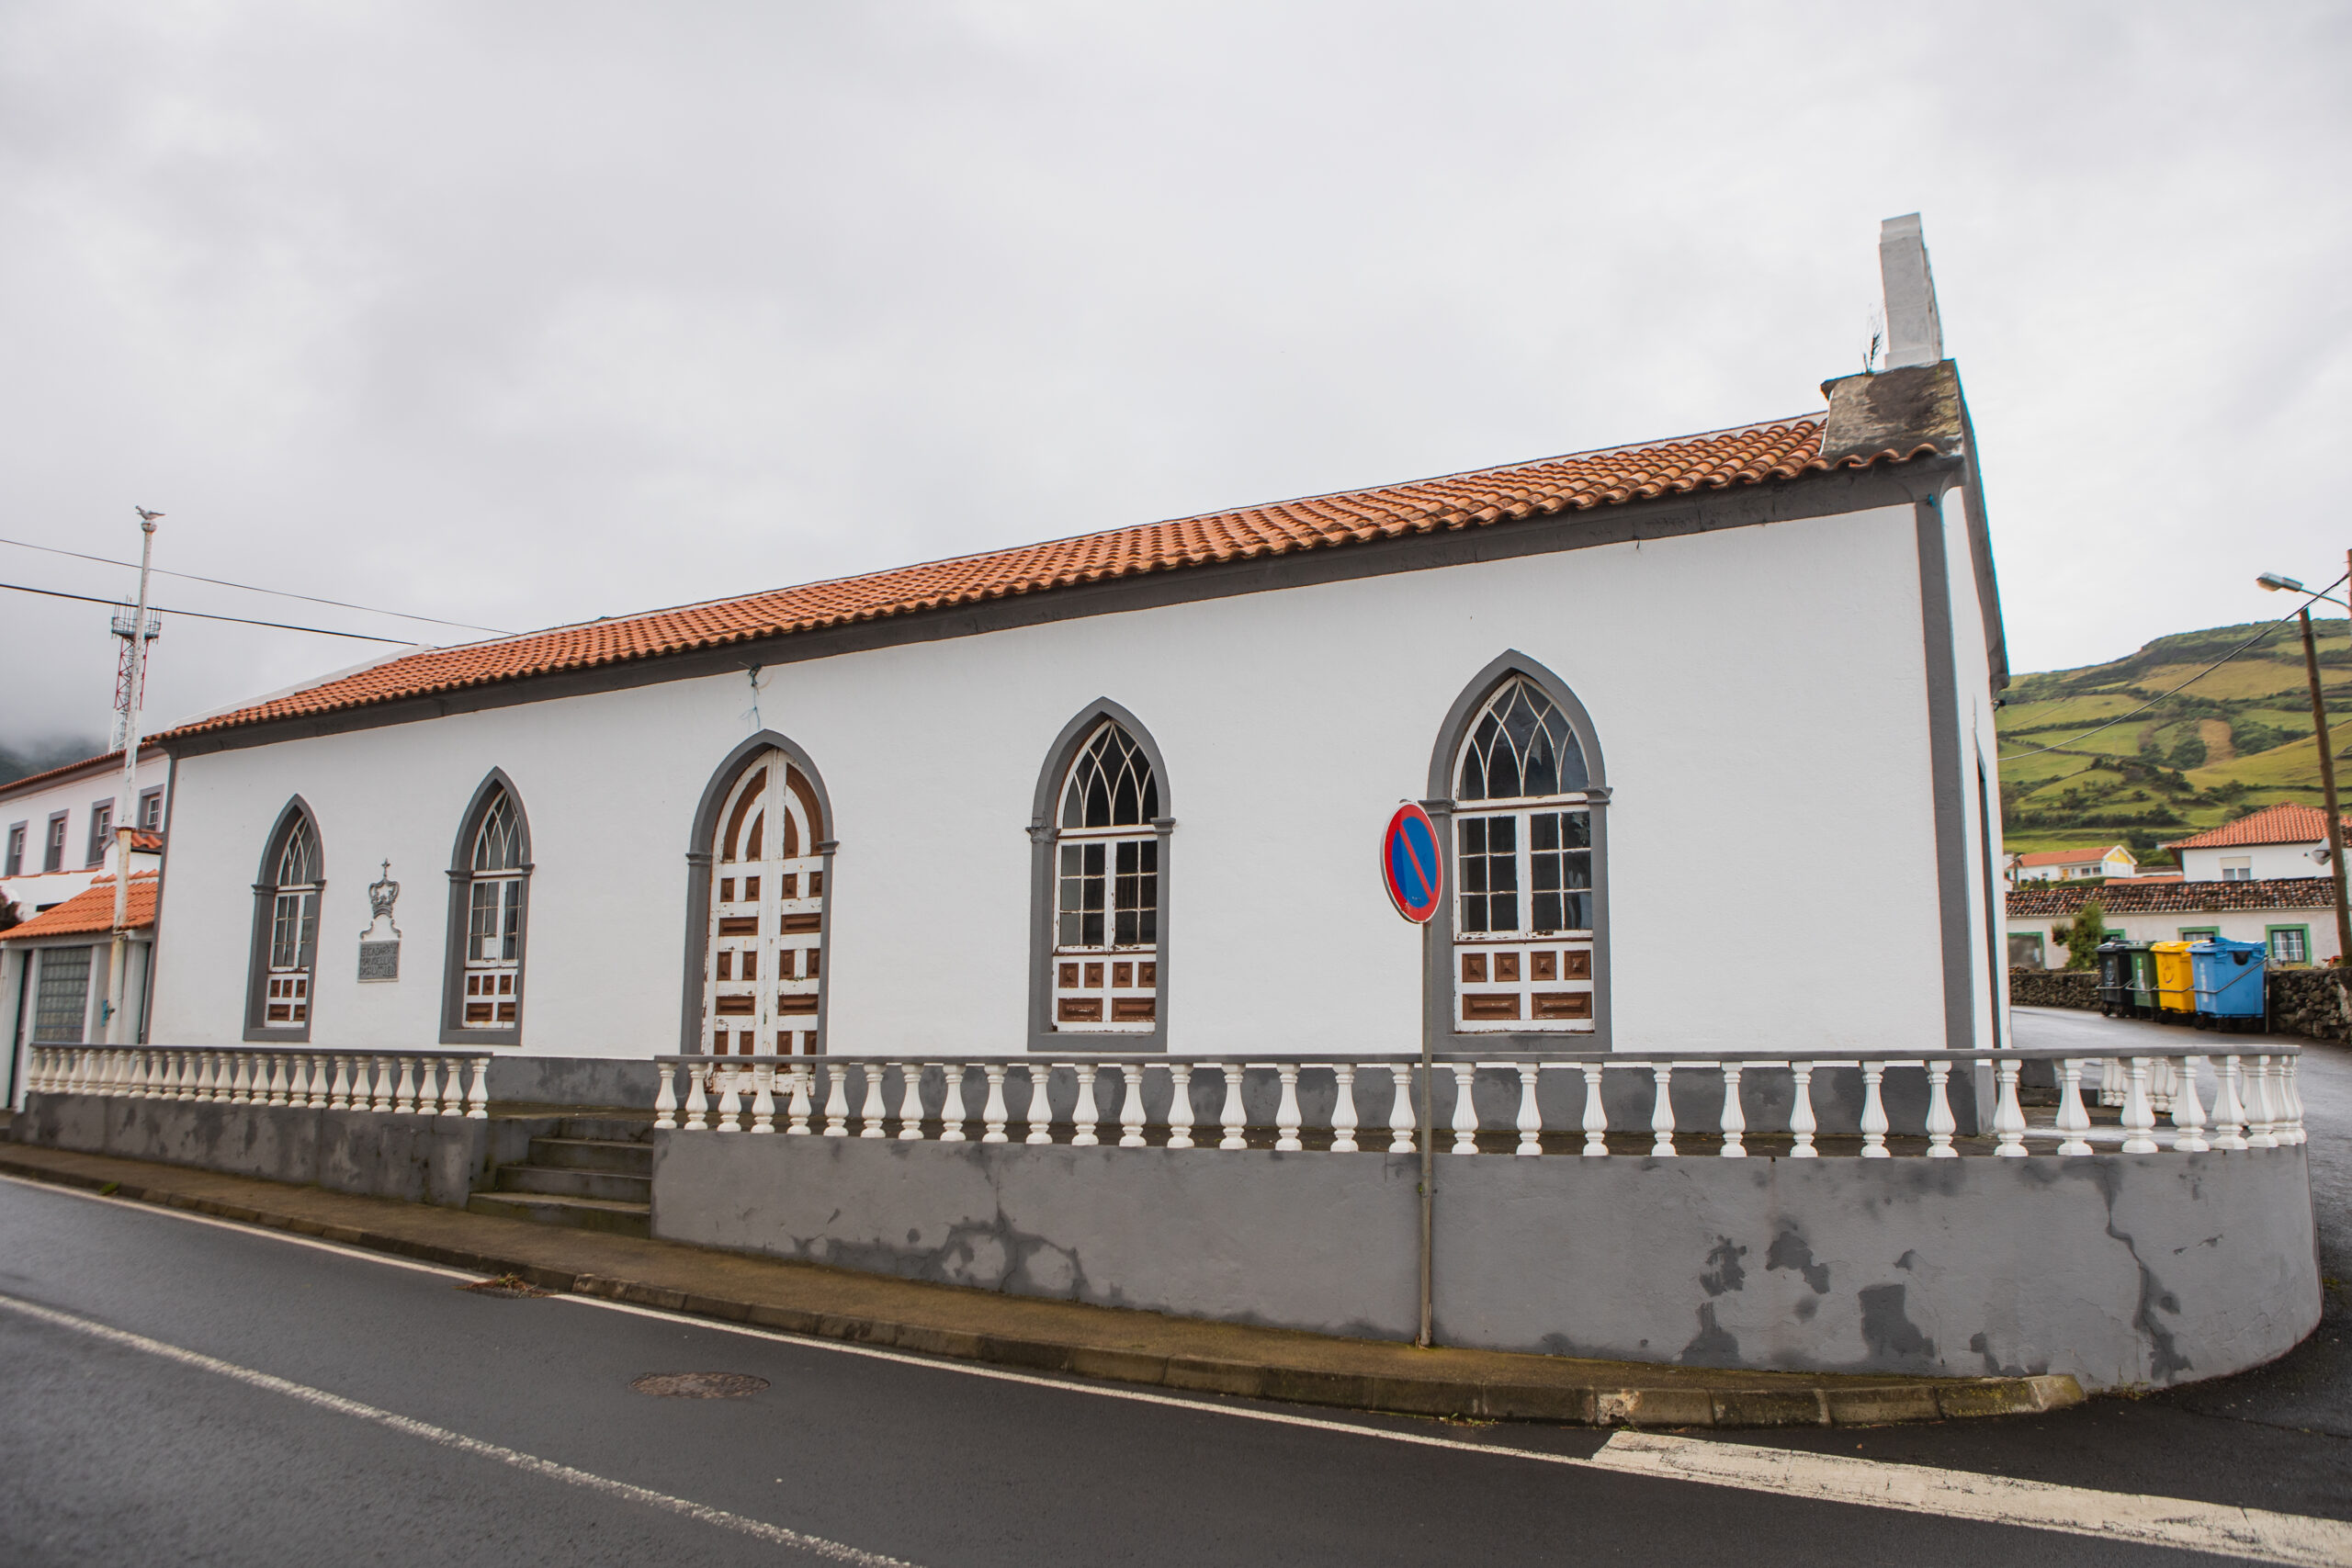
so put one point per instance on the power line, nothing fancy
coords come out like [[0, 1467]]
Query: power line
[[252, 588], [202, 616], [2152, 702]]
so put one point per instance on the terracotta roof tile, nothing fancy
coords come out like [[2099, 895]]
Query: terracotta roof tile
[[2285, 823], [91, 910], [1751, 454], [2044, 900], [49, 775]]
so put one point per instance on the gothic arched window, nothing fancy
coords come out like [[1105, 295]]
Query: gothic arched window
[[1104, 967], [1523, 868], [286, 930], [490, 883]]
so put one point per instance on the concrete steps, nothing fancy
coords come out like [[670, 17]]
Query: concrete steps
[[592, 1173]]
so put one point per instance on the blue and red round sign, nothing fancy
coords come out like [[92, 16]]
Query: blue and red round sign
[[1411, 863]]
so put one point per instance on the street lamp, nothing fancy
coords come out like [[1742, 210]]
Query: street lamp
[[2277, 582]]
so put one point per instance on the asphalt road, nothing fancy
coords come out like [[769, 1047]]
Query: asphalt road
[[420, 1422]]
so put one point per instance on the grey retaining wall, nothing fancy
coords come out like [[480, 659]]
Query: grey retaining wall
[[424, 1159], [2054, 988], [2122, 1269]]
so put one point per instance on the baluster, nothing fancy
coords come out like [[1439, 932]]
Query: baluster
[[257, 1083], [1286, 1113], [300, 1075], [2110, 1081], [2229, 1111], [2291, 1089], [731, 1099], [184, 1081], [2073, 1120], [2187, 1113], [1180, 1105], [404, 1096], [763, 1096], [453, 1086], [166, 1069], [697, 1104], [1465, 1109], [803, 1103], [211, 1076], [953, 1108], [1040, 1116], [2261, 1114], [279, 1074], [44, 1064], [1662, 1110], [1734, 1119], [1942, 1123], [150, 1073], [233, 1073], [1802, 1124], [2139, 1117], [385, 1069], [1596, 1114], [910, 1105], [135, 1070], [1873, 1111], [665, 1097], [1400, 1112], [318, 1063], [869, 1107], [837, 1101], [2160, 1085], [478, 1090], [1236, 1119], [2008, 1116], [993, 1115], [1530, 1115], [339, 1088], [1131, 1106], [1082, 1114], [1343, 1108]]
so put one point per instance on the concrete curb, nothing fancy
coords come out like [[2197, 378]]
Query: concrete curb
[[1610, 1394]]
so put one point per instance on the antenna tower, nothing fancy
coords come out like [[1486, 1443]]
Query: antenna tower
[[128, 688]]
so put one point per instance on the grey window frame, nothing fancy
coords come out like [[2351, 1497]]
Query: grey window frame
[[20, 834], [138, 822], [703, 830], [461, 881], [101, 811], [1043, 835], [52, 843], [1437, 989], [258, 1028]]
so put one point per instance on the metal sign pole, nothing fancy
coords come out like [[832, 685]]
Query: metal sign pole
[[1428, 1147]]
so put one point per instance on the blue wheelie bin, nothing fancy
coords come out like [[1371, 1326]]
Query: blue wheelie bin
[[2230, 977]]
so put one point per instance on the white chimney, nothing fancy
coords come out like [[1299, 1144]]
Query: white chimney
[[1914, 334]]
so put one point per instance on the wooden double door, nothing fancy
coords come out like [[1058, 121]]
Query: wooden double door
[[762, 979]]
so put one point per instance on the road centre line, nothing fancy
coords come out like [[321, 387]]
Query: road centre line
[[409, 1427], [2226, 1529]]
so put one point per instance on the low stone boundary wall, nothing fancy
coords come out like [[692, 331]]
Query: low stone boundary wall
[[2314, 1003], [2054, 988], [422, 1160], [2122, 1269]]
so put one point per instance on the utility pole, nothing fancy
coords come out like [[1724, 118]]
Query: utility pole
[[2328, 787], [126, 808]]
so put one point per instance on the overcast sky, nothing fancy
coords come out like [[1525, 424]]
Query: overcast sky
[[523, 314]]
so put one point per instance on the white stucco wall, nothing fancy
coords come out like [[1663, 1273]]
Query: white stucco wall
[[1756, 691], [1980, 751], [2269, 861]]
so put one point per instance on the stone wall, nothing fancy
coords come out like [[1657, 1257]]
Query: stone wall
[[2054, 988], [2313, 1002], [2122, 1269]]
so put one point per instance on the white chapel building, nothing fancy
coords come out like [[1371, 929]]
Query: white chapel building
[[1123, 792]]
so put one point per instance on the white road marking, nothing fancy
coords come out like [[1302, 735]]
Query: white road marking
[[410, 1427], [2250, 1534]]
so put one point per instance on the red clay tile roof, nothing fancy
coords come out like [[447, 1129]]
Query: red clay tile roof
[[1752, 455], [2068, 857], [146, 842], [91, 910], [2285, 823], [2046, 900], [49, 775]]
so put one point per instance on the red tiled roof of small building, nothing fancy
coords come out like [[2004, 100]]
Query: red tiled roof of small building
[[2045, 900], [146, 842], [2285, 823], [66, 770], [2066, 857], [1750, 455], [91, 910]]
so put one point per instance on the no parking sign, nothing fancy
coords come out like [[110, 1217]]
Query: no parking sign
[[1410, 864]]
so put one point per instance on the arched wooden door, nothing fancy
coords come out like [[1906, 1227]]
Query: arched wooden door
[[763, 966]]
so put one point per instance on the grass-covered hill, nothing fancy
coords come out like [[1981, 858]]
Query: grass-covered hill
[[2232, 740]]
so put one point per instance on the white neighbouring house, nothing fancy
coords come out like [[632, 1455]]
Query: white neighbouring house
[[2073, 866], [2283, 840], [57, 827], [1124, 791]]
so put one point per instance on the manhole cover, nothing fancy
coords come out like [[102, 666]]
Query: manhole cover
[[700, 1385], [504, 1285]]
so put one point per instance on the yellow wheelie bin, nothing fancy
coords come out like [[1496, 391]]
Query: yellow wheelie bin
[[2176, 987]]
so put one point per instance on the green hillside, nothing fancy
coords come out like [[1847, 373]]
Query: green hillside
[[2230, 741]]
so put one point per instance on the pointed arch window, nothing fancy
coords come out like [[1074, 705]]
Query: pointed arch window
[[286, 930], [487, 898], [1104, 971], [1524, 921], [765, 950]]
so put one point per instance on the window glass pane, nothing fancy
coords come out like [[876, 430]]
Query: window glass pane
[[61, 1001], [1546, 909]]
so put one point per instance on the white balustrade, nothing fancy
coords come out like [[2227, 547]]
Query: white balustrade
[[910, 1105], [2008, 1116], [1735, 1119], [1286, 1115], [953, 1110], [1082, 1115], [2139, 1115], [993, 1115], [1801, 1124], [1343, 1110], [1400, 1109], [1530, 1115], [1236, 1120], [1179, 1105], [1465, 1109], [836, 1101], [1040, 1116], [1940, 1121], [1662, 1112], [1875, 1123], [2072, 1121], [763, 1098], [1595, 1121], [1130, 1105], [2187, 1114]]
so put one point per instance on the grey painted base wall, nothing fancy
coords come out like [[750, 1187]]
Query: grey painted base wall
[[424, 1159], [2122, 1269], [572, 1080]]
